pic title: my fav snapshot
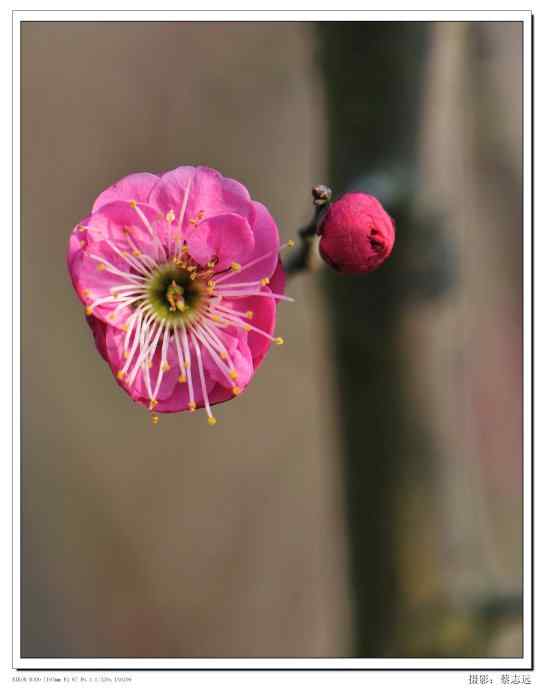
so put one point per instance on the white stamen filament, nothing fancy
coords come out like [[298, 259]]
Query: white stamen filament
[[221, 309], [135, 320], [146, 364], [149, 228], [235, 321], [149, 328], [188, 367], [111, 269], [131, 288], [131, 261], [180, 355], [136, 342], [208, 327], [214, 355], [253, 283], [141, 255], [221, 279], [202, 379], [240, 293], [163, 363], [122, 305], [182, 214]]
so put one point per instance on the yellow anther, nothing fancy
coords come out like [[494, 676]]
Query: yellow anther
[[136, 252], [88, 310], [233, 374], [249, 314], [133, 204], [290, 243], [101, 267], [235, 266], [196, 220], [125, 254], [165, 366], [192, 276], [185, 248], [209, 291], [279, 341], [181, 305], [124, 327], [120, 375], [187, 364], [182, 379], [211, 283], [115, 295], [236, 390], [170, 216], [149, 364], [191, 406], [112, 316], [154, 419], [223, 355], [216, 318], [125, 354], [86, 293], [212, 421], [247, 327], [153, 404], [265, 281]]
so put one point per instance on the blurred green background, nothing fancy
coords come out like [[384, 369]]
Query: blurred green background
[[364, 498]]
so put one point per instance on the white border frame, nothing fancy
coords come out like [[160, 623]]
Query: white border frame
[[489, 664]]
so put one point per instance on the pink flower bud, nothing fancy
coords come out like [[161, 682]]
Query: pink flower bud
[[357, 235]]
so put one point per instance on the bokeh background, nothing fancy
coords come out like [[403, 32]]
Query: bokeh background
[[364, 497]]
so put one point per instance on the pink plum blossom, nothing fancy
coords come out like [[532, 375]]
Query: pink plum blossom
[[357, 234], [180, 277]]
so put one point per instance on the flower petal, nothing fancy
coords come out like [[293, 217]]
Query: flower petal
[[210, 194], [135, 187], [169, 193], [138, 389], [264, 318], [99, 329], [267, 242], [278, 279], [77, 242], [214, 195], [235, 343], [119, 220], [180, 398], [227, 237]]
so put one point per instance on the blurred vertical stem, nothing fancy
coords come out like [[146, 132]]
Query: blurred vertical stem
[[373, 80]]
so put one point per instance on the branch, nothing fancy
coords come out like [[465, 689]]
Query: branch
[[301, 257]]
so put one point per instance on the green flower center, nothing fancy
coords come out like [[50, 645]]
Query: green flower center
[[174, 295]]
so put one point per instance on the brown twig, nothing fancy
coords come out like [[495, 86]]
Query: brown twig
[[301, 258]]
